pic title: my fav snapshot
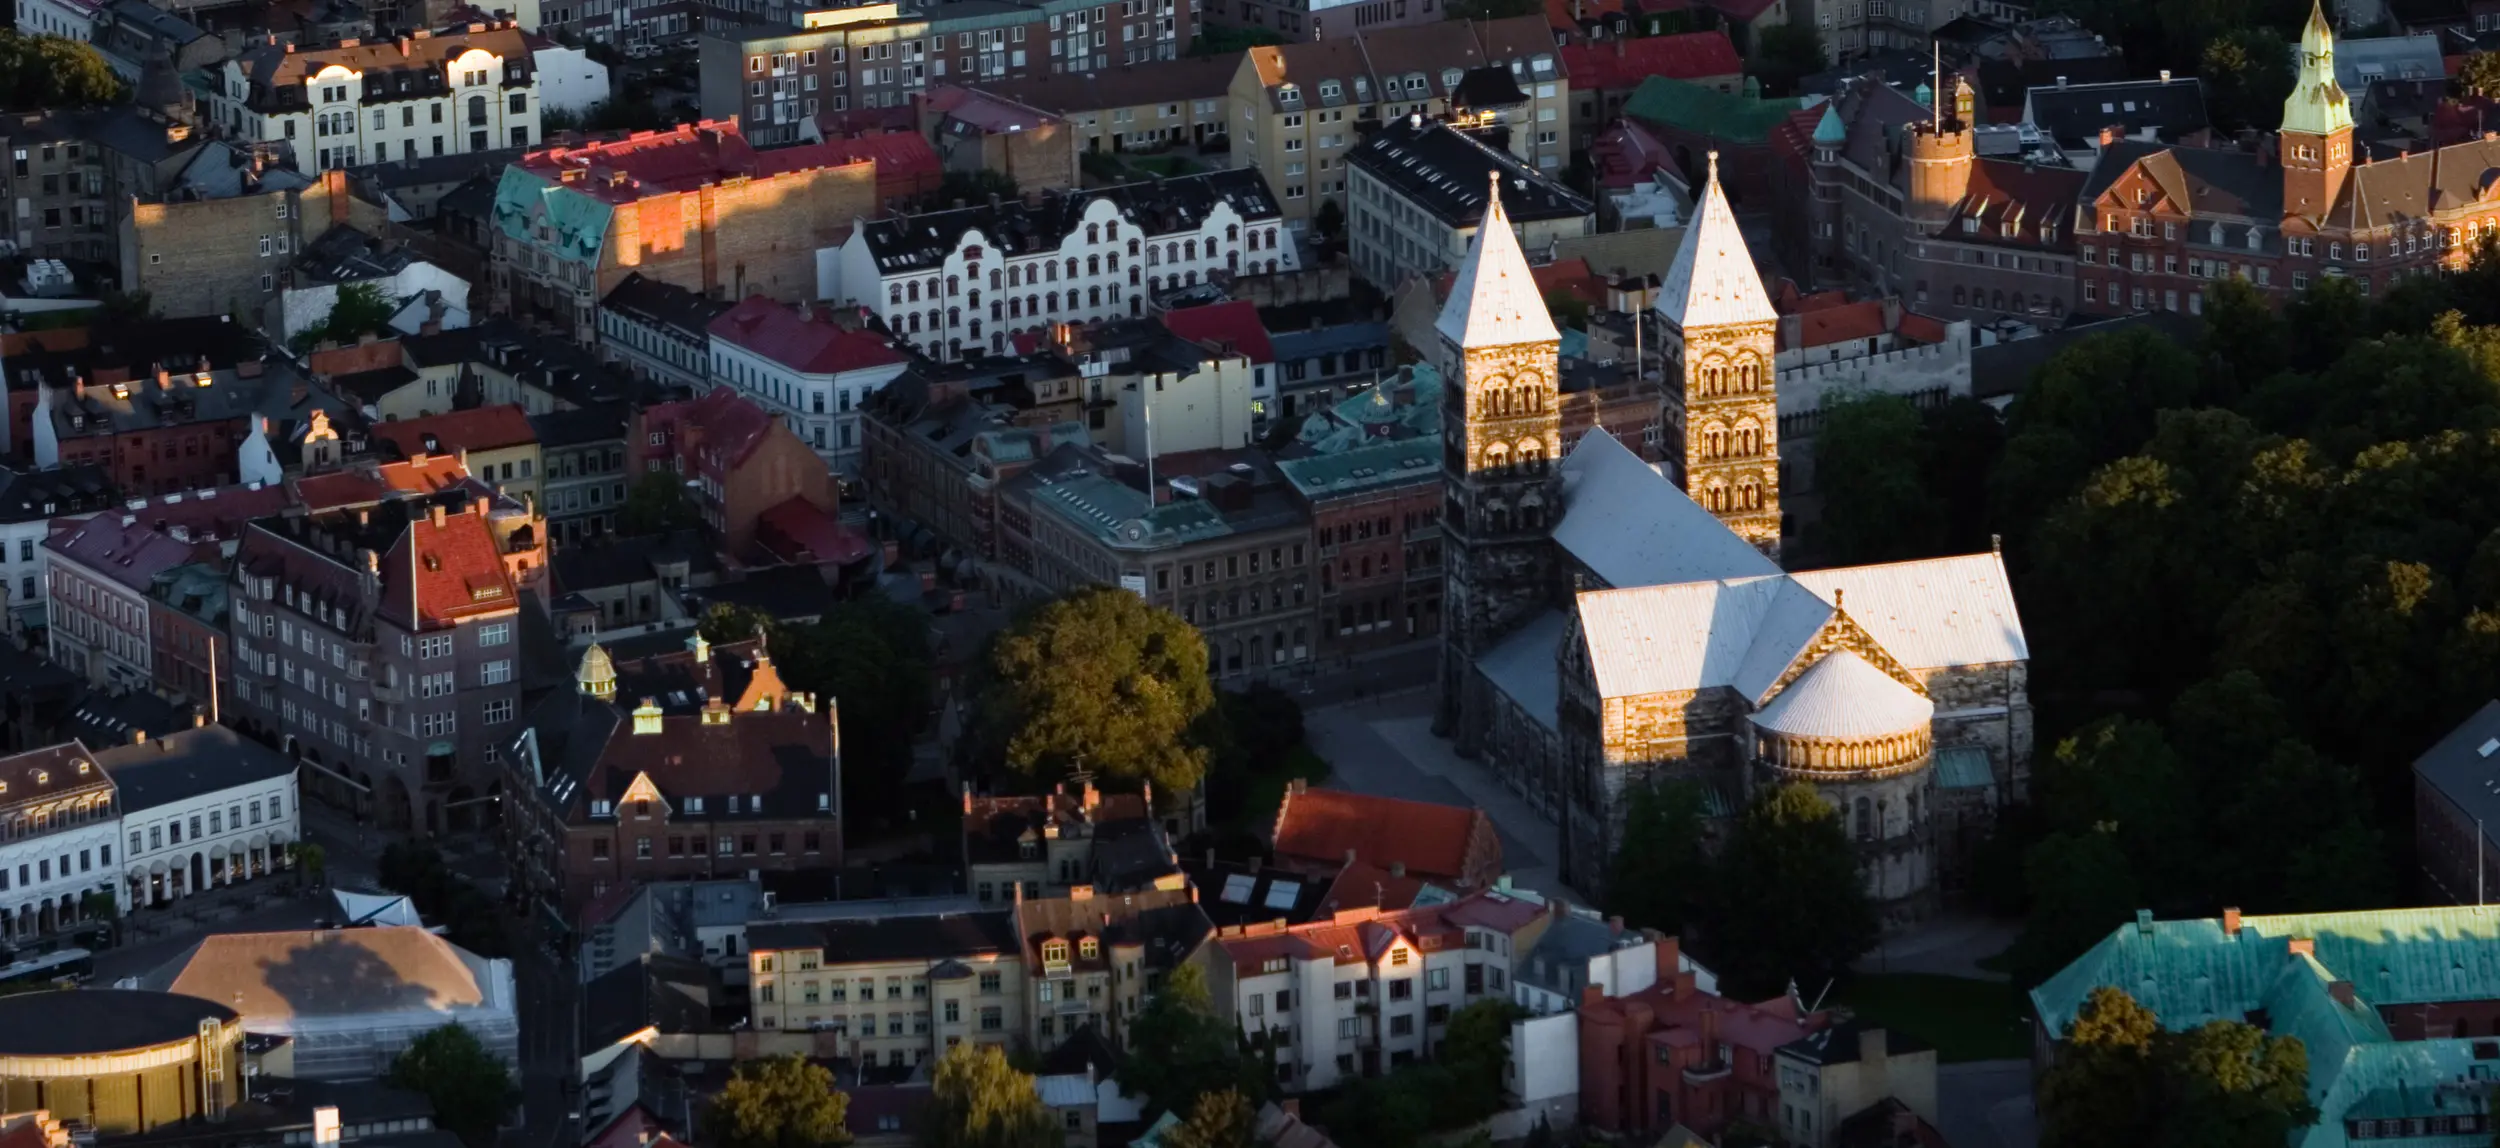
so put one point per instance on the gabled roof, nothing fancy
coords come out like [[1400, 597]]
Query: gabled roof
[[2172, 108], [476, 429], [458, 568], [1234, 323], [1631, 526], [730, 423], [1623, 63], [1713, 281], [1326, 826], [684, 158], [1494, 301], [802, 339]]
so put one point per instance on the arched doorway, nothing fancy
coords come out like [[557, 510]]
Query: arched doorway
[[44, 920], [199, 872], [392, 807]]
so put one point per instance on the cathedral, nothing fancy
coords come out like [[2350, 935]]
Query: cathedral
[[1608, 626]]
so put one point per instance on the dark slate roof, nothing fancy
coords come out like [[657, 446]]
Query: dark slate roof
[[102, 719], [787, 593], [580, 425], [81, 1022], [2173, 108], [32, 494], [1839, 1044], [780, 759], [2006, 368], [656, 304], [878, 939], [1159, 207], [1445, 171], [1233, 893], [670, 993], [625, 560], [1489, 87], [186, 764], [2460, 764], [440, 168], [2004, 83], [1167, 923], [2207, 182]]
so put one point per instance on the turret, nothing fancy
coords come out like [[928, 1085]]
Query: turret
[[1940, 153]]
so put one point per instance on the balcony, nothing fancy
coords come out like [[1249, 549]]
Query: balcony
[[390, 693]]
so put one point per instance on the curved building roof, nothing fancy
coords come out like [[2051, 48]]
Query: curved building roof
[[90, 1022], [1845, 696]]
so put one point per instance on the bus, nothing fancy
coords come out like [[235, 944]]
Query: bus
[[57, 969]]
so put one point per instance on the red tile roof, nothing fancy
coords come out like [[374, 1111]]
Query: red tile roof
[[683, 159], [362, 357], [797, 530], [802, 339], [1622, 64], [480, 428], [1329, 827], [729, 423], [132, 544], [1569, 15], [1235, 323], [366, 485], [459, 569], [1827, 325], [1626, 154], [1361, 933]]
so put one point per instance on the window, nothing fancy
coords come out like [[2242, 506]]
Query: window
[[497, 634], [495, 673]]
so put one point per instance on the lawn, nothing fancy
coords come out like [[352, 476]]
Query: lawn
[[1965, 1019]]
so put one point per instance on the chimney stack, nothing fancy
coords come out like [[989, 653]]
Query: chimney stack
[[2231, 922]]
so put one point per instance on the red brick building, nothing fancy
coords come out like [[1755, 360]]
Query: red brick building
[[738, 461], [1672, 1054], [693, 763]]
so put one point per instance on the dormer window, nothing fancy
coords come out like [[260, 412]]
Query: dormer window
[[1449, 79], [1288, 94], [1054, 952], [1029, 849], [694, 805], [1330, 91], [602, 809], [42, 777], [1970, 226], [1089, 948]]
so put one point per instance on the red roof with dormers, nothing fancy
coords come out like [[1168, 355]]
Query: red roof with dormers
[[365, 485], [801, 338], [1623, 63], [476, 429], [130, 544], [730, 424], [458, 567], [684, 158], [896, 154], [1235, 324], [1365, 934]]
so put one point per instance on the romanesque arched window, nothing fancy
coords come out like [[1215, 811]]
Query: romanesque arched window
[[1496, 458], [1232, 233], [1033, 306], [912, 290], [1072, 267], [1532, 456], [1866, 820]]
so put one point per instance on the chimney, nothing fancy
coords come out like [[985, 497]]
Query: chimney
[[1080, 892], [1871, 1046], [2341, 991], [438, 514], [2109, 135], [138, 737], [2231, 922], [1614, 925], [967, 797], [1092, 796], [2165, 75], [2303, 947], [198, 719], [1670, 958]]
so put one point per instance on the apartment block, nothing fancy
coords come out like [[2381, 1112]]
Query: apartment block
[[453, 92], [895, 990], [1418, 196], [1094, 959], [800, 364], [379, 644], [1301, 107], [496, 444], [1043, 262], [1040, 846], [659, 331], [218, 237], [739, 462], [698, 207], [1182, 106], [1365, 992], [99, 574]]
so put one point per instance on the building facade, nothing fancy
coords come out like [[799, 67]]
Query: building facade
[[737, 460], [802, 365], [659, 331], [1076, 257], [63, 819], [946, 980], [1415, 206], [454, 92], [202, 809]]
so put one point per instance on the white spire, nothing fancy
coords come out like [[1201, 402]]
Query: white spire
[[1713, 282], [2318, 105], [1494, 301]]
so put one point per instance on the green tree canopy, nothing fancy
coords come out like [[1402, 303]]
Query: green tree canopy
[[1225, 1119], [1789, 902], [656, 503], [2480, 74], [1786, 53], [1179, 1050], [2120, 1079], [1476, 1051], [2247, 73], [361, 309], [1661, 876], [469, 1087], [1870, 469], [978, 1100], [1100, 680], [778, 1102], [43, 72]]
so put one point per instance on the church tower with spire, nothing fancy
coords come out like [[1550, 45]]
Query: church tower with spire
[[1501, 434], [2316, 140], [1722, 339]]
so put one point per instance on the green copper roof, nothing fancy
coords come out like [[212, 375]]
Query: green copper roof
[[1363, 468], [1964, 767], [2189, 972], [577, 224], [1707, 111], [1831, 130]]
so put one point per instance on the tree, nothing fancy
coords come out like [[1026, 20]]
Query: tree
[[39, 72], [1098, 679], [778, 1102], [654, 504], [468, 1086], [1476, 1051], [1660, 874], [1788, 902], [2480, 74], [1870, 469], [361, 309], [1179, 1050], [1330, 220], [978, 1100], [728, 622], [2081, 887], [1569, 310], [1786, 53], [2120, 1079], [2248, 72], [309, 860], [1224, 1119]]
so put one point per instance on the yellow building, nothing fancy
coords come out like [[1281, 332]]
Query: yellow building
[[899, 989], [122, 1060], [496, 443]]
